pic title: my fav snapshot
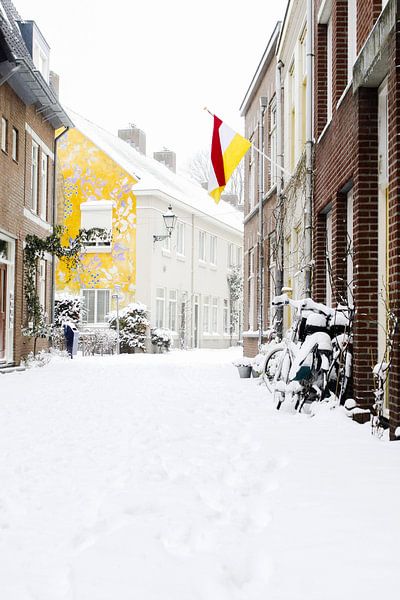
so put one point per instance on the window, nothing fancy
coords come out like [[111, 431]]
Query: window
[[329, 258], [43, 186], [166, 244], [303, 88], [180, 238], [329, 58], [351, 36], [213, 249], [206, 314], [34, 176], [97, 306], [15, 144], [292, 117], [4, 134], [225, 317], [251, 290], [172, 310], [160, 307], [202, 246], [231, 255], [252, 179], [273, 143], [239, 256], [214, 315], [349, 249], [98, 213], [42, 284]]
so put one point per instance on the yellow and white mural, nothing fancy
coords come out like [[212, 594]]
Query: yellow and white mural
[[95, 191]]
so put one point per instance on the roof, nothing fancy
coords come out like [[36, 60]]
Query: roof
[[154, 178], [22, 74], [263, 65]]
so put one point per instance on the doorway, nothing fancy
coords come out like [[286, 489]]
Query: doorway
[[3, 310]]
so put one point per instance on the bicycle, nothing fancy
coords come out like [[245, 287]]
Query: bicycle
[[307, 365]]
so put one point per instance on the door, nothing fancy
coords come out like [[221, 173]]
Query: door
[[3, 305], [196, 323]]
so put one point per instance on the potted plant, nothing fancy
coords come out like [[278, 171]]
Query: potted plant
[[244, 366]]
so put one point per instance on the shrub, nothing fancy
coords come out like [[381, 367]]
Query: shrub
[[162, 338], [133, 325], [67, 308]]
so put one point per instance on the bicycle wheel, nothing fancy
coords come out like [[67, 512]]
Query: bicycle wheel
[[277, 367]]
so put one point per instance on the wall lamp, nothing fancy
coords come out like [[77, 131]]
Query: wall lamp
[[169, 222]]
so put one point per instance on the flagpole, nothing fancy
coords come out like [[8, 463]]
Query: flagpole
[[273, 162]]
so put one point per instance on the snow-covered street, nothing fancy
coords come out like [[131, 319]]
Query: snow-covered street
[[166, 477]]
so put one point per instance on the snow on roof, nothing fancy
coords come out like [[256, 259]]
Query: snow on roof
[[155, 177]]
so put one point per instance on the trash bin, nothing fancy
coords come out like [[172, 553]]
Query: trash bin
[[72, 337]]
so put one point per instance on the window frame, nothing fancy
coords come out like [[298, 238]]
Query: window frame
[[15, 145], [44, 181], [173, 302], [4, 135], [180, 238], [95, 291], [34, 176], [202, 246], [206, 315], [213, 250], [160, 304]]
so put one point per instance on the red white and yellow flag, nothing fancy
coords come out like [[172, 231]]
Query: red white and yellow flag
[[227, 150]]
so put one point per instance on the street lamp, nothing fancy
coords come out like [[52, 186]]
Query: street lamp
[[117, 298], [169, 222]]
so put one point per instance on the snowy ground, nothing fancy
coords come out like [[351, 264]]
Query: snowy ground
[[166, 477]]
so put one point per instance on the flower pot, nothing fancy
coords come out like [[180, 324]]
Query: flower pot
[[255, 373], [244, 371]]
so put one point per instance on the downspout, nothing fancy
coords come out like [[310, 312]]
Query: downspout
[[309, 151], [54, 221], [263, 106], [192, 311], [279, 196]]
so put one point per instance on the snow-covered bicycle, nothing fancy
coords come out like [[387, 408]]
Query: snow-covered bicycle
[[311, 362]]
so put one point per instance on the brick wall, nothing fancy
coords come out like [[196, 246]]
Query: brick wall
[[15, 194]]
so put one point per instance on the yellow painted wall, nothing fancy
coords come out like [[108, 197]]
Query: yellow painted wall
[[86, 173]]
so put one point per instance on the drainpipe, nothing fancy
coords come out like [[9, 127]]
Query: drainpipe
[[309, 150], [54, 221], [279, 196], [263, 106]]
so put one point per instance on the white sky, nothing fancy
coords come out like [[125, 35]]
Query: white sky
[[156, 63]]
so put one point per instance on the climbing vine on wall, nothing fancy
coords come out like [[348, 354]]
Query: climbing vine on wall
[[35, 249]]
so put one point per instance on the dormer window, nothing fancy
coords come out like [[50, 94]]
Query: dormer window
[[37, 46]]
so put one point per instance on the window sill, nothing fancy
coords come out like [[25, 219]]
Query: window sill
[[213, 267], [181, 257], [325, 129], [166, 253], [202, 263], [98, 249], [29, 214], [342, 97]]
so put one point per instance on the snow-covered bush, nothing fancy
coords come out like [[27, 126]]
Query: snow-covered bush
[[162, 338], [133, 326], [43, 357], [67, 308], [98, 341]]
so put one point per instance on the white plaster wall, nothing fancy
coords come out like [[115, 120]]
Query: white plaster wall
[[159, 268]]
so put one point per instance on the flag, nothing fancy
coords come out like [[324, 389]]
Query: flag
[[227, 150]]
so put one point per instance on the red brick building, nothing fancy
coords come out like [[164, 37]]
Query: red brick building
[[29, 115], [356, 180], [260, 112]]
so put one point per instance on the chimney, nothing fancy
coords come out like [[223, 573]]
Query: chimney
[[167, 157], [55, 83], [135, 137]]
